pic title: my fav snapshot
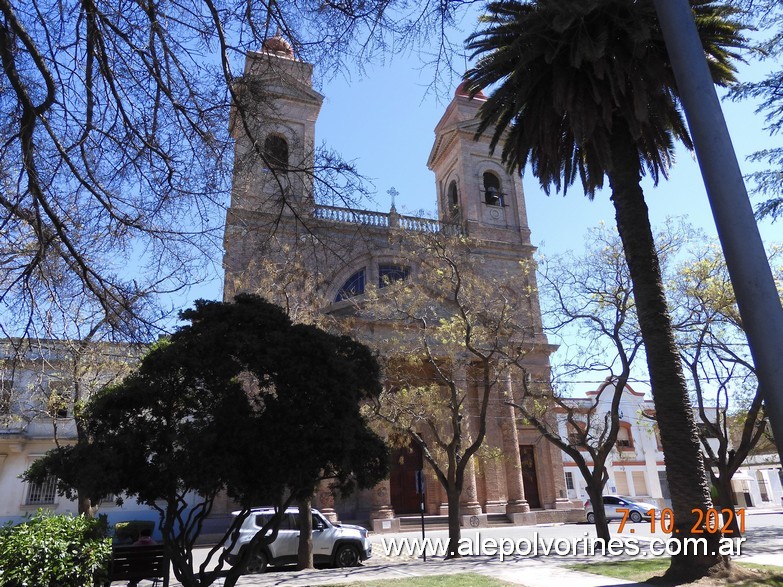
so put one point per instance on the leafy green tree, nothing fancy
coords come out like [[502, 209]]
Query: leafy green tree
[[240, 401], [585, 90], [449, 336], [715, 353]]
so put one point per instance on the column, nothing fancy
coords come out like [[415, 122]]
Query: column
[[469, 504], [325, 499], [517, 504], [382, 514], [517, 508], [493, 467], [470, 508]]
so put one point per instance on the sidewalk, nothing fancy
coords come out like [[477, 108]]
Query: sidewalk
[[530, 572], [527, 572]]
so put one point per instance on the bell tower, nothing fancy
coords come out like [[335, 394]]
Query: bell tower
[[474, 188], [273, 125]]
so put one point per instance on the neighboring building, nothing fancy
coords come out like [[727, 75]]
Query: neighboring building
[[335, 252], [759, 482], [636, 465], [39, 381]]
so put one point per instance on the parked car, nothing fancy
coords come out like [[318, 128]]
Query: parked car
[[638, 510], [339, 545]]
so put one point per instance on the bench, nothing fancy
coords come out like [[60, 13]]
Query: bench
[[135, 563]]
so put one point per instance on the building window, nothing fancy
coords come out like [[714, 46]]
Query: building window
[[492, 194], [762, 486], [624, 440], [390, 274], [59, 399], [276, 152], [42, 493], [354, 286], [621, 481], [452, 197], [110, 499], [639, 482], [569, 479]]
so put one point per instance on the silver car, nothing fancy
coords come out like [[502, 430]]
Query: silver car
[[637, 510], [339, 545]]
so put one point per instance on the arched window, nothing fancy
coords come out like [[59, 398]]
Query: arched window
[[276, 152], [453, 197], [624, 438], [354, 286], [492, 194], [389, 274]]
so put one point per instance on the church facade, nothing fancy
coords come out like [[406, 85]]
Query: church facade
[[283, 242]]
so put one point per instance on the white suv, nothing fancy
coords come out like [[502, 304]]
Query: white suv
[[339, 545]]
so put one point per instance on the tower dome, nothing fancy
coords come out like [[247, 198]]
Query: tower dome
[[462, 90], [277, 44]]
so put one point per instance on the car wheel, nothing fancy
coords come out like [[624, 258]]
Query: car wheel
[[347, 556], [257, 564], [636, 517], [591, 518]]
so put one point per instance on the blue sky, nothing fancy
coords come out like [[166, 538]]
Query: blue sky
[[385, 121]]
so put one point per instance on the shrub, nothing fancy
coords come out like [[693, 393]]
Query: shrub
[[53, 551]]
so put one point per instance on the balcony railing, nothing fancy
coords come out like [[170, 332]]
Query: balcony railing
[[385, 220]]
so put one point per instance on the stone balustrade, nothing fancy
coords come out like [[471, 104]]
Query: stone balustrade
[[385, 220]]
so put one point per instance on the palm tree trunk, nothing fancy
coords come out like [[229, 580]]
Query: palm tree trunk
[[685, 470]]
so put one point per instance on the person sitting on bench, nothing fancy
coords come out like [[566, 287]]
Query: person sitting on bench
[[145, 539]]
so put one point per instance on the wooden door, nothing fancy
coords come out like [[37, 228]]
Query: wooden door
[[402, 481], [527, 453]]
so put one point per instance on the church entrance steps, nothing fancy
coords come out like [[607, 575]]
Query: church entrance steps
[[408, 523]]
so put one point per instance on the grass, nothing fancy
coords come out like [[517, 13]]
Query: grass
[[636, 570], [642, 570], [458, 580]]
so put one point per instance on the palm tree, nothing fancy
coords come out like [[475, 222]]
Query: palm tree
[[585, 88]]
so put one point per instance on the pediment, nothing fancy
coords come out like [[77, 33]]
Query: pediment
[[292, 88], [450, 129], [276, 80]]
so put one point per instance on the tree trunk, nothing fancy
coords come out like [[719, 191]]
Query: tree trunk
[[455, 530], [86, 508], [726, 502], [684, 464], [596, 500], [84, 503], [305, 553]]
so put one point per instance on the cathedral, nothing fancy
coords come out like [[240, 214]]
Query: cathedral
[[289, 241]]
